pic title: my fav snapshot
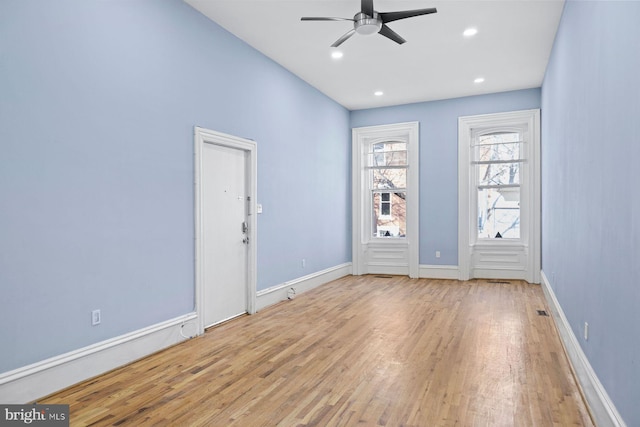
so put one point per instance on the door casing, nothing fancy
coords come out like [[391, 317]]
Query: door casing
[[205, 136]]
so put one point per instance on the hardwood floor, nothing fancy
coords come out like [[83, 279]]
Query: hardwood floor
[[362, 350]]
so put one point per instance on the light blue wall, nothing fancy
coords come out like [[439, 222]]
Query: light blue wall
[[590, 197], [98, 100], [439, 159]]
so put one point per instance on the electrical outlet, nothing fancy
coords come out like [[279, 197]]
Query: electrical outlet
[[96, 317], [437, 254], [291, 293], [304, 263]]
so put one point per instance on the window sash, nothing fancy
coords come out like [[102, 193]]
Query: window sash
[[485, 144], [497, 162], [485, 187], [501, 150]]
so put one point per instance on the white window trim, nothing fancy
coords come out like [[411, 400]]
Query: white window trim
[[362, 235], [529, 240]]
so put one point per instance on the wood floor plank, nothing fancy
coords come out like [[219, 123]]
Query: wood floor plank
[[358, 351]]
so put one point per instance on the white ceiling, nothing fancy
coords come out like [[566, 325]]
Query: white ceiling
[[510, 51]]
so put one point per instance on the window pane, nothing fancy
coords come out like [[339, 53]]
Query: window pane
[[499, 174], [498, 146], [485, 153], [500, 137], [388, 154], [499, 213], [389, 178], [389, 217]]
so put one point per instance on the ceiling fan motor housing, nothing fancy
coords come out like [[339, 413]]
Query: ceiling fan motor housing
[[365, 24]]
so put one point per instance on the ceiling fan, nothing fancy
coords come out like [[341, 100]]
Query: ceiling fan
[[368, 21]]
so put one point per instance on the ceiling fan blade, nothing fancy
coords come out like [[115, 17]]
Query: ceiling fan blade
[[367, 7], [344, 38], [394, 16], [390, 34], [324, 18]]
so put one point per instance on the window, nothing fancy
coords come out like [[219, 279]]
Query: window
[[499, 196], [498, 155], [387, 165], [385, 199]]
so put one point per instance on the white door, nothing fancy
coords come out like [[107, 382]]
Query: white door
[[225, 232]]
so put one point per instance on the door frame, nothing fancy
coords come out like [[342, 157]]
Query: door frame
[[386, 253], [205, 136], [518, 260]]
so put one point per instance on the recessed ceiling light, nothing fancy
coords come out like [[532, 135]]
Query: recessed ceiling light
[[336, 54], [470, 32], [479, 80], [378, 93]]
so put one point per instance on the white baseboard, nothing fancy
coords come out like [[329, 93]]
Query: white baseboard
[[439, 272], [275, 294], [602, 409], [40, 379]]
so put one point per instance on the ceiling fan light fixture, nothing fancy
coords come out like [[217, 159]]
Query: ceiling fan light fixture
[[365, 24], [336, 54], [367, 29], [378, 93], [479, 80]]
